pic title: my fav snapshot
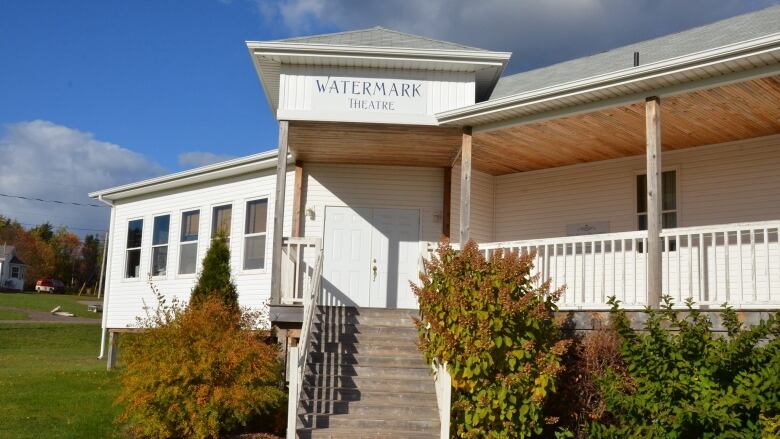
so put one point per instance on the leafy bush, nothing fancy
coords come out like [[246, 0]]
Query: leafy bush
[[687, 381], [579, 400], [197, 372], [496, 333], [215, 278]]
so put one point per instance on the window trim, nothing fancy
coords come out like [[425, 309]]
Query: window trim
[[140, 249], [678, 194], [244, 235], [18, 272], [153, 246], [196, 242]]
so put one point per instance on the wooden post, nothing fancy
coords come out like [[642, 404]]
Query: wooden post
[[111, 362], [446, 205], [103, 266], [653, 137], [281, 182], [465, 186], [297, 199]]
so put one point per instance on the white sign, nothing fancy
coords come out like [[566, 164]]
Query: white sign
[[369, 95], [594, 228]]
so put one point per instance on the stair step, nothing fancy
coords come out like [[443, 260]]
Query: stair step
[[422, 385], [340, 433], [387, 349], [330, 330], [410, 360], [385, 338], [368, 371], [342, 394], [371, 409], [357, 423]]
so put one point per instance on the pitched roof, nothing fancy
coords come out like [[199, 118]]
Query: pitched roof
[[380, 37], [733, 30], [6, 251]]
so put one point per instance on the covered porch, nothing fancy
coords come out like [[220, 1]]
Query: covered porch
[[569, 184]]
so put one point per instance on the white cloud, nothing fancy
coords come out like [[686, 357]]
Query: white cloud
[[538, 33], [41, 159], [194, 159]]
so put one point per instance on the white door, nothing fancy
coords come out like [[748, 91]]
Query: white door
[[395, 252], [371, 255], [347, 243]]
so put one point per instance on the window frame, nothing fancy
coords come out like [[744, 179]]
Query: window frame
[[677, 193], [213, 206], [18, 272], [125, 278], [153, 246], [245, 235], [196, 242]]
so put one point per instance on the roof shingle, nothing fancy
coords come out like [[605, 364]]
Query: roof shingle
[[381, 37], [730, 31]]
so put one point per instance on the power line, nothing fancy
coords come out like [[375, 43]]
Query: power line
[[67, 227], [51, 201]]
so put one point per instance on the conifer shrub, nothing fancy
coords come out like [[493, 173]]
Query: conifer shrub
[[215, 278], [201, 370], [496, 332], [688, 381]]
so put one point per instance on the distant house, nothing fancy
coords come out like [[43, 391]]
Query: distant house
[[11, 269]]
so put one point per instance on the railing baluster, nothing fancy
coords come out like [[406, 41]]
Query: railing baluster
[[701, 268], [714, 297], [636, 255], [668, 276], [603, 270], [727, 263], [753, 263], [689, 237], [555, 267], [583, 273], [741, 274], [678, 243], [767, 271]]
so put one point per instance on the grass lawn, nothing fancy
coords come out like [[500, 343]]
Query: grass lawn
[[47, 302], [51, 383], [9, 314]]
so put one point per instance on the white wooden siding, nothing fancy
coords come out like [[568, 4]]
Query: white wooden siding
[[126, 297], [482, 206], [445, 91], [717, 184], [374, 186]]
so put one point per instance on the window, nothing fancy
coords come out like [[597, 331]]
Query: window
[[133, 260], [254, 234], [188, 248], [668, 200], [220, 221], [15, 272], [160, 245]]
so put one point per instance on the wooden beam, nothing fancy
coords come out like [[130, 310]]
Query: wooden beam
[[281, 182], [446, 205], [654, 257], [297, 199], [465, 186]]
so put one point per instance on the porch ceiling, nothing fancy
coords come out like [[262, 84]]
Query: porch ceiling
[[375, 144], [727, 113]]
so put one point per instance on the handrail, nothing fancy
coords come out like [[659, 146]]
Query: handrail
[[310, 302]]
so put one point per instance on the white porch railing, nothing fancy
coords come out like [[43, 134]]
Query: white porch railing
[[738, 264], [298, 257], [298, 355]]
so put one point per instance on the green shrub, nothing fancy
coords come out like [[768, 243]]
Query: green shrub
[[215, 278], [496, 333], [687, 381], [197, 372]]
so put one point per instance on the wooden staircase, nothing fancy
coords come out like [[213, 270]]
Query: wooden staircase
[[365, 378]]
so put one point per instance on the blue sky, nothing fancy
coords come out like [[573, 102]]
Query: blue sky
[[99, 93]]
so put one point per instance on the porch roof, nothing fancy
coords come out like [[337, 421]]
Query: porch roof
[[719, 114]]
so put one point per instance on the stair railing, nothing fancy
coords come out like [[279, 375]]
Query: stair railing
[[299, 354]]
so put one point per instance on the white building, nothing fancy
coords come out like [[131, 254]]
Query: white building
[[11, 269], [391, 141]]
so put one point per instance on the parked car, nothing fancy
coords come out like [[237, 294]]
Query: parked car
[[49, 286]]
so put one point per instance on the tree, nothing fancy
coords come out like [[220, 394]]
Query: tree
[[215, 277], [44, 231]]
